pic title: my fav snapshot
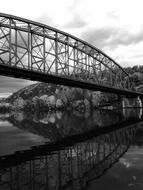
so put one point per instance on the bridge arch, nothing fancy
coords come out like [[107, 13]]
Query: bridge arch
[[40, 49]]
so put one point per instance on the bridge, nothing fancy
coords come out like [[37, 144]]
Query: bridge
[[35, 51]]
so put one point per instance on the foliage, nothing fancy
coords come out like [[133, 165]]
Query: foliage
[[136, 74]]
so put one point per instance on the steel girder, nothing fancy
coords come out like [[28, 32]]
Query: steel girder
[[37, 47]]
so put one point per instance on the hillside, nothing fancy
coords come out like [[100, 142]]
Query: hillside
[[50, 95], [37, 89], [43, 95]]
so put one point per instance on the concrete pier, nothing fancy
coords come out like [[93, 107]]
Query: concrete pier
[[131, 102]]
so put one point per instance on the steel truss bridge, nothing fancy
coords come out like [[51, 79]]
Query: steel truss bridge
[[35, 51]]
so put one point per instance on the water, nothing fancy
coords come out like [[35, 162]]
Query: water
[[71, 150]]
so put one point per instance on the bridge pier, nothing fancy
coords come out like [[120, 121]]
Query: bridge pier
[[131, 102]]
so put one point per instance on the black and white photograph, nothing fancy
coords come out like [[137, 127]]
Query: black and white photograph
[[71, 95]]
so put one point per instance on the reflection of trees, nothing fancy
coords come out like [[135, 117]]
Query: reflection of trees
[[4, 117], [57, 125], [64, 167]]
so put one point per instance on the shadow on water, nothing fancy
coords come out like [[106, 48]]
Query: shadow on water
[[67, 164]]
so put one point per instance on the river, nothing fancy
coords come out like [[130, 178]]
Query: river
[[94, 150]]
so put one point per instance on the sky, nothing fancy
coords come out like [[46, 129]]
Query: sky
[[114, 26]]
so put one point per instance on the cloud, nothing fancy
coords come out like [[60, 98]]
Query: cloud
[[74, 4], [112, 15], [46, 19], [98, 37], [76, 22], [121, 44], [127, 38], [111, 37], [8, 84]]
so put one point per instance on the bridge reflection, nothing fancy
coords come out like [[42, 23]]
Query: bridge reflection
[[71, 165]]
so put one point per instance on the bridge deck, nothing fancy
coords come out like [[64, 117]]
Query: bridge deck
[[47, 78]]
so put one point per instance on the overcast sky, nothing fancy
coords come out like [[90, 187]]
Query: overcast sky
[[114, 26]]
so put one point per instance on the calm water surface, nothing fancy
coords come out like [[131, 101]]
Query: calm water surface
[[71, 150]]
